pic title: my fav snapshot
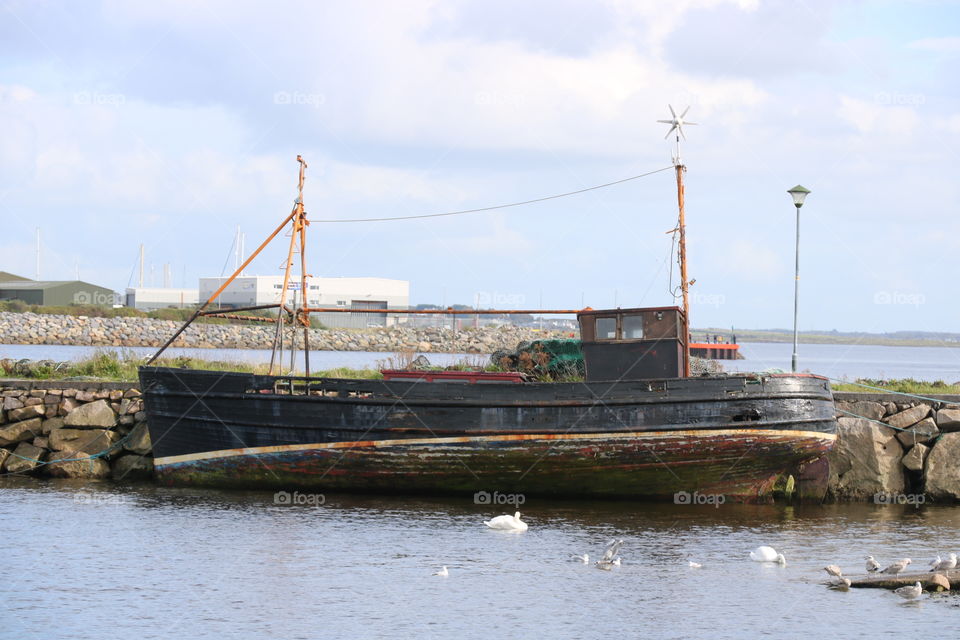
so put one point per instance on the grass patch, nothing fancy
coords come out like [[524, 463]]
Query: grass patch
[[122, 366], [903, 385]]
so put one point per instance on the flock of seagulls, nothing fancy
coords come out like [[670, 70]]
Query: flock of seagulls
[[766, 554]]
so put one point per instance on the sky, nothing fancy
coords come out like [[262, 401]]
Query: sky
[[172, 123]]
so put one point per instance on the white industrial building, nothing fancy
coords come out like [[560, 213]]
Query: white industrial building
[[150, 298], [357, 293]]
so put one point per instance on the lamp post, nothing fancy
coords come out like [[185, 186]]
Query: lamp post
[[798, 193]]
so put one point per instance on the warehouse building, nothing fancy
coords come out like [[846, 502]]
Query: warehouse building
[[54, 292], [150, 298], [349, 293]]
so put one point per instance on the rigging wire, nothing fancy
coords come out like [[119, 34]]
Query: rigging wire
[[500, 206]]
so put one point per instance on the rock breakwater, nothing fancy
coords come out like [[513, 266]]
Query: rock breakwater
[[32, 328]]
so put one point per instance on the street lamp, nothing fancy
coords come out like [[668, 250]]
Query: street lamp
[[799, 194]]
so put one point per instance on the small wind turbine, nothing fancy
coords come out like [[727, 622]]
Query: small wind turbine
[[676, 124]]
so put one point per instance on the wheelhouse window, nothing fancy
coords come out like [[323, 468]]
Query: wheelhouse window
[[606, 328], [633, 327]]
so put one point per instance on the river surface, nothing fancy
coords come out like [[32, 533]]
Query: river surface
[[839, 361], [97, 560]]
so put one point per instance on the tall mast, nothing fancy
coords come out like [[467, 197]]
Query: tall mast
[[676, 125]]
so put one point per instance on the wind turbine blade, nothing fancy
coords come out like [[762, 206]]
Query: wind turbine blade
[[666, 121], [669, 132], [682, 134], [672, 112], [684, 112]]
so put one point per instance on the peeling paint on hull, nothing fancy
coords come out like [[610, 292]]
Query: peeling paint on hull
[[730, 436]]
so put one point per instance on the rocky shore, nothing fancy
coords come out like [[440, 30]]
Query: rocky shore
[[96, 431], [32, 328], [917, 455], [90, 430]]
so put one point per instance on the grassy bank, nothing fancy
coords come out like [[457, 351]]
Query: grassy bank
[[122, 366], [905, 385]]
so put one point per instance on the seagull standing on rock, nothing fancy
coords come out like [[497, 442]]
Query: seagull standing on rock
[[933, 563], [946, 565], [833, 570], [872, 565], [897, 567]]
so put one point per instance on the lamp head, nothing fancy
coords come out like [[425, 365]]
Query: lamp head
[[798, 193]]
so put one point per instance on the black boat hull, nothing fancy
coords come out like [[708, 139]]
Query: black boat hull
[[731, 436]]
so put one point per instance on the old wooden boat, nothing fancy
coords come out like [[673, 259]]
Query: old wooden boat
[[638, 426]]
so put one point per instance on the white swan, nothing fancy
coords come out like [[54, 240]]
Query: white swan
[[767, 554], [443, 573], [507, 523]]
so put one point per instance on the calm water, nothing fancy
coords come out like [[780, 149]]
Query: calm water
[[833, 360], [93, 560]]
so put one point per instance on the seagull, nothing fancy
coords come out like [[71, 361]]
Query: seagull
[[840, 583], [507, 523], [608, 561], [933, 563], [443, 573], [767, 554], [949, 563], [585, 559], [676, 123], [694, 565], [910, 592], [833, 570], [872, 565], [897, 567]]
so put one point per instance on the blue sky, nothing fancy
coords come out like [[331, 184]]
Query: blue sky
[[170, 123]]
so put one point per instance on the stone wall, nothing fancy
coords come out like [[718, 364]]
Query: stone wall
[[33, 328], [53, 429], [920, 457]]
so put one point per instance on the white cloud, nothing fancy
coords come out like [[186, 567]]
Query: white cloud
[[880, 118]]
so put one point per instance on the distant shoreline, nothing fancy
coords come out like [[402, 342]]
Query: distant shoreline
[[819, 338]]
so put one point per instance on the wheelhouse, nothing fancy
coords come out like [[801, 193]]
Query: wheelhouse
[[634, 344]]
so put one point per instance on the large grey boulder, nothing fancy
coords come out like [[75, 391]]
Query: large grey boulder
[[72, 467], [865, 460], [132, 467], [913, 459], [20, 431], [948, 419], [88, 441], [93, 415], [24, 459], [908, 417], [922, 432], [25, 413], [862, 408], [943, 468], [139, 440]]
